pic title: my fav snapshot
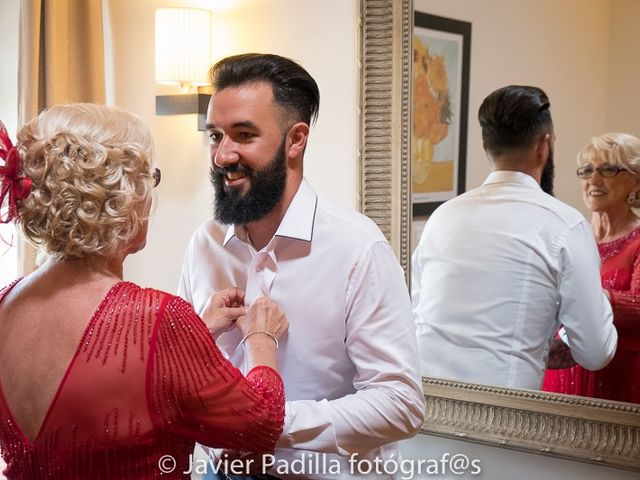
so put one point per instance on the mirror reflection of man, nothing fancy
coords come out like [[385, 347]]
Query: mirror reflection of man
[[349, 361], [498, 268]]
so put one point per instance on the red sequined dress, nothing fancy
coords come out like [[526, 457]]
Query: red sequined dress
[[146, 381], [620, 380]]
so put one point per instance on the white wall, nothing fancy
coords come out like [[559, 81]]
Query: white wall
[[322, 36]]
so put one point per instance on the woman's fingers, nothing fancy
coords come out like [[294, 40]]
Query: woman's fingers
[[264, 315]]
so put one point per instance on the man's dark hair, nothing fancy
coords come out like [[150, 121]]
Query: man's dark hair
[[513, 117], [293, 88]]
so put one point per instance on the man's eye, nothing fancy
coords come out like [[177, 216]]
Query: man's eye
[[215, 137], [246, 135], [609, 168]]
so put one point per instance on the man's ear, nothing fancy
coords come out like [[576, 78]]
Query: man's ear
[[298, 135], [543, 147]]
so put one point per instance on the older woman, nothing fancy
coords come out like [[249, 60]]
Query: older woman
[[102, 378], [609, 168]]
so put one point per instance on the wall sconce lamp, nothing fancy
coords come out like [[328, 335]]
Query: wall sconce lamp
[[182, 59]]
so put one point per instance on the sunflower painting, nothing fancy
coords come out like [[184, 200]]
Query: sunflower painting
[[437, 109]]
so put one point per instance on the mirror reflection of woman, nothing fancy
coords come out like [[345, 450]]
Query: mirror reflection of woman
[[609, 169]]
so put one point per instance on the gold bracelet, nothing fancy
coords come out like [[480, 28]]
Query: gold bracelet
[[270, 335]]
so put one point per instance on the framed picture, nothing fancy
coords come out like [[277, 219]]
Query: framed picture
[[440, 107]]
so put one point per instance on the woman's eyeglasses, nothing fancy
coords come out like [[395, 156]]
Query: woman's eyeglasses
[[606, 171], [157, 176]]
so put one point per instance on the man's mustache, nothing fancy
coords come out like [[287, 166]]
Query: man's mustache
[[236, 167]]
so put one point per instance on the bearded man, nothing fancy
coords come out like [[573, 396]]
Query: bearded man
[[498, 268], [349, 360]]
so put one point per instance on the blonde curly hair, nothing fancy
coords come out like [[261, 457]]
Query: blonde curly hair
[[91, 168], [621, 149]]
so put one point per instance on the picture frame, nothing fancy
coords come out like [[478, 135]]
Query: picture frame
[[439, 110]]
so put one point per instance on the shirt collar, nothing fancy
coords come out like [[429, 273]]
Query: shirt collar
[[511, 176], [231, 232], [297, 222]]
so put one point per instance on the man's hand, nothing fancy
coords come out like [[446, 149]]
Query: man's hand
[[223, 309]]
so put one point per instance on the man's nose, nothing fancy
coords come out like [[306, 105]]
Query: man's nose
[[224, 154]]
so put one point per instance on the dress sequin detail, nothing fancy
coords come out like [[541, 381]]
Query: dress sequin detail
[[147, 381], [620, 380]]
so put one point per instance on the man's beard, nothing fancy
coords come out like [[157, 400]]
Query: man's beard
[[546, 179], [266, 188]]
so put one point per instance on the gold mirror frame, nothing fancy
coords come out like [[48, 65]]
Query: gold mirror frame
[[576, 428]]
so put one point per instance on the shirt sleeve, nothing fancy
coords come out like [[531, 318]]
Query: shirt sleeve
[[584, 309], [626, 304], [388, 404], [196, 393]]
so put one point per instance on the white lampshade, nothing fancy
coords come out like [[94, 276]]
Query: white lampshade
[[182, 46]]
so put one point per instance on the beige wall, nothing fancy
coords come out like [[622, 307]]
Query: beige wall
[[624, 67], [322, 36], [560, 46]]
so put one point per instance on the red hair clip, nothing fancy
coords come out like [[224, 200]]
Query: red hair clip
[[13, 186]]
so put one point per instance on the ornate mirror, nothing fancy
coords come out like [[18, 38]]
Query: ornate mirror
[[578, 428]]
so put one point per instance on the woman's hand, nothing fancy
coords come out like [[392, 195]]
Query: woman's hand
[[223, 310], [559, 355], [263, 316]]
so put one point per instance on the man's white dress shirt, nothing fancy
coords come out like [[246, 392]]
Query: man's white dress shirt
[[349, 360], [496, 270]]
